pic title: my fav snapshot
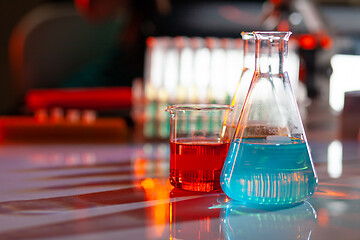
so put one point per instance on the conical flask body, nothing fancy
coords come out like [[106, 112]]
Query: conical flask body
[[268, 163]]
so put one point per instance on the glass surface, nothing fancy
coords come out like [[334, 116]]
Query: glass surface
[[244, 81], [268, 164], [196, 210], [121, 191], [239, 222], [198, 146]]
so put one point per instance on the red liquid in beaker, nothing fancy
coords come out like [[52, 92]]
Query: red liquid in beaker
[[196, 166]]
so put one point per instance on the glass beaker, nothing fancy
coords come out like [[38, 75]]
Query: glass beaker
[[269, 163], [244, 82], [198, 147]]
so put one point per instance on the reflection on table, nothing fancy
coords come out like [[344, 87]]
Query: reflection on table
[[240, 222], [121, 191]]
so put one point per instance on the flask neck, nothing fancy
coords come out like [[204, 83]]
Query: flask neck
[[271, 53], [249, 53]]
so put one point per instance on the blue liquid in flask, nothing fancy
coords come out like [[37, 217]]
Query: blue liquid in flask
[[266, 174]]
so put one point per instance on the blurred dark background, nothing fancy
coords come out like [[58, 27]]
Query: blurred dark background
[[12, 11], [197, 18]]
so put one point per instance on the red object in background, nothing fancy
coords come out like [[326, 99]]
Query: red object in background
[[29, 130], [80, 98], [308, 42], [151, 41], [197, 166], [326, 42], [98, 10], [82, 3]]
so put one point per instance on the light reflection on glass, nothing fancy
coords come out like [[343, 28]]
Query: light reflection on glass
[[234, 63], [194, 69], [171, 74], [73, 159], [186, 64], [150, 170], [162, 161], [157, 190], [192, 216], [334, 161], [85, 158], [157, 62], [337, 208], [217, 71], [149, 161], [140, 167], [323, 217], [201, 73], [336, 191], [239, 222], [345, 67]]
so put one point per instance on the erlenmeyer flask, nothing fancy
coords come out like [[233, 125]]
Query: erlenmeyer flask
[[268, 163], [244, 82]]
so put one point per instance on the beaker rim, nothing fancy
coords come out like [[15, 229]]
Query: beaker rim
[[198, 107], [272, 35], [247, 35]]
